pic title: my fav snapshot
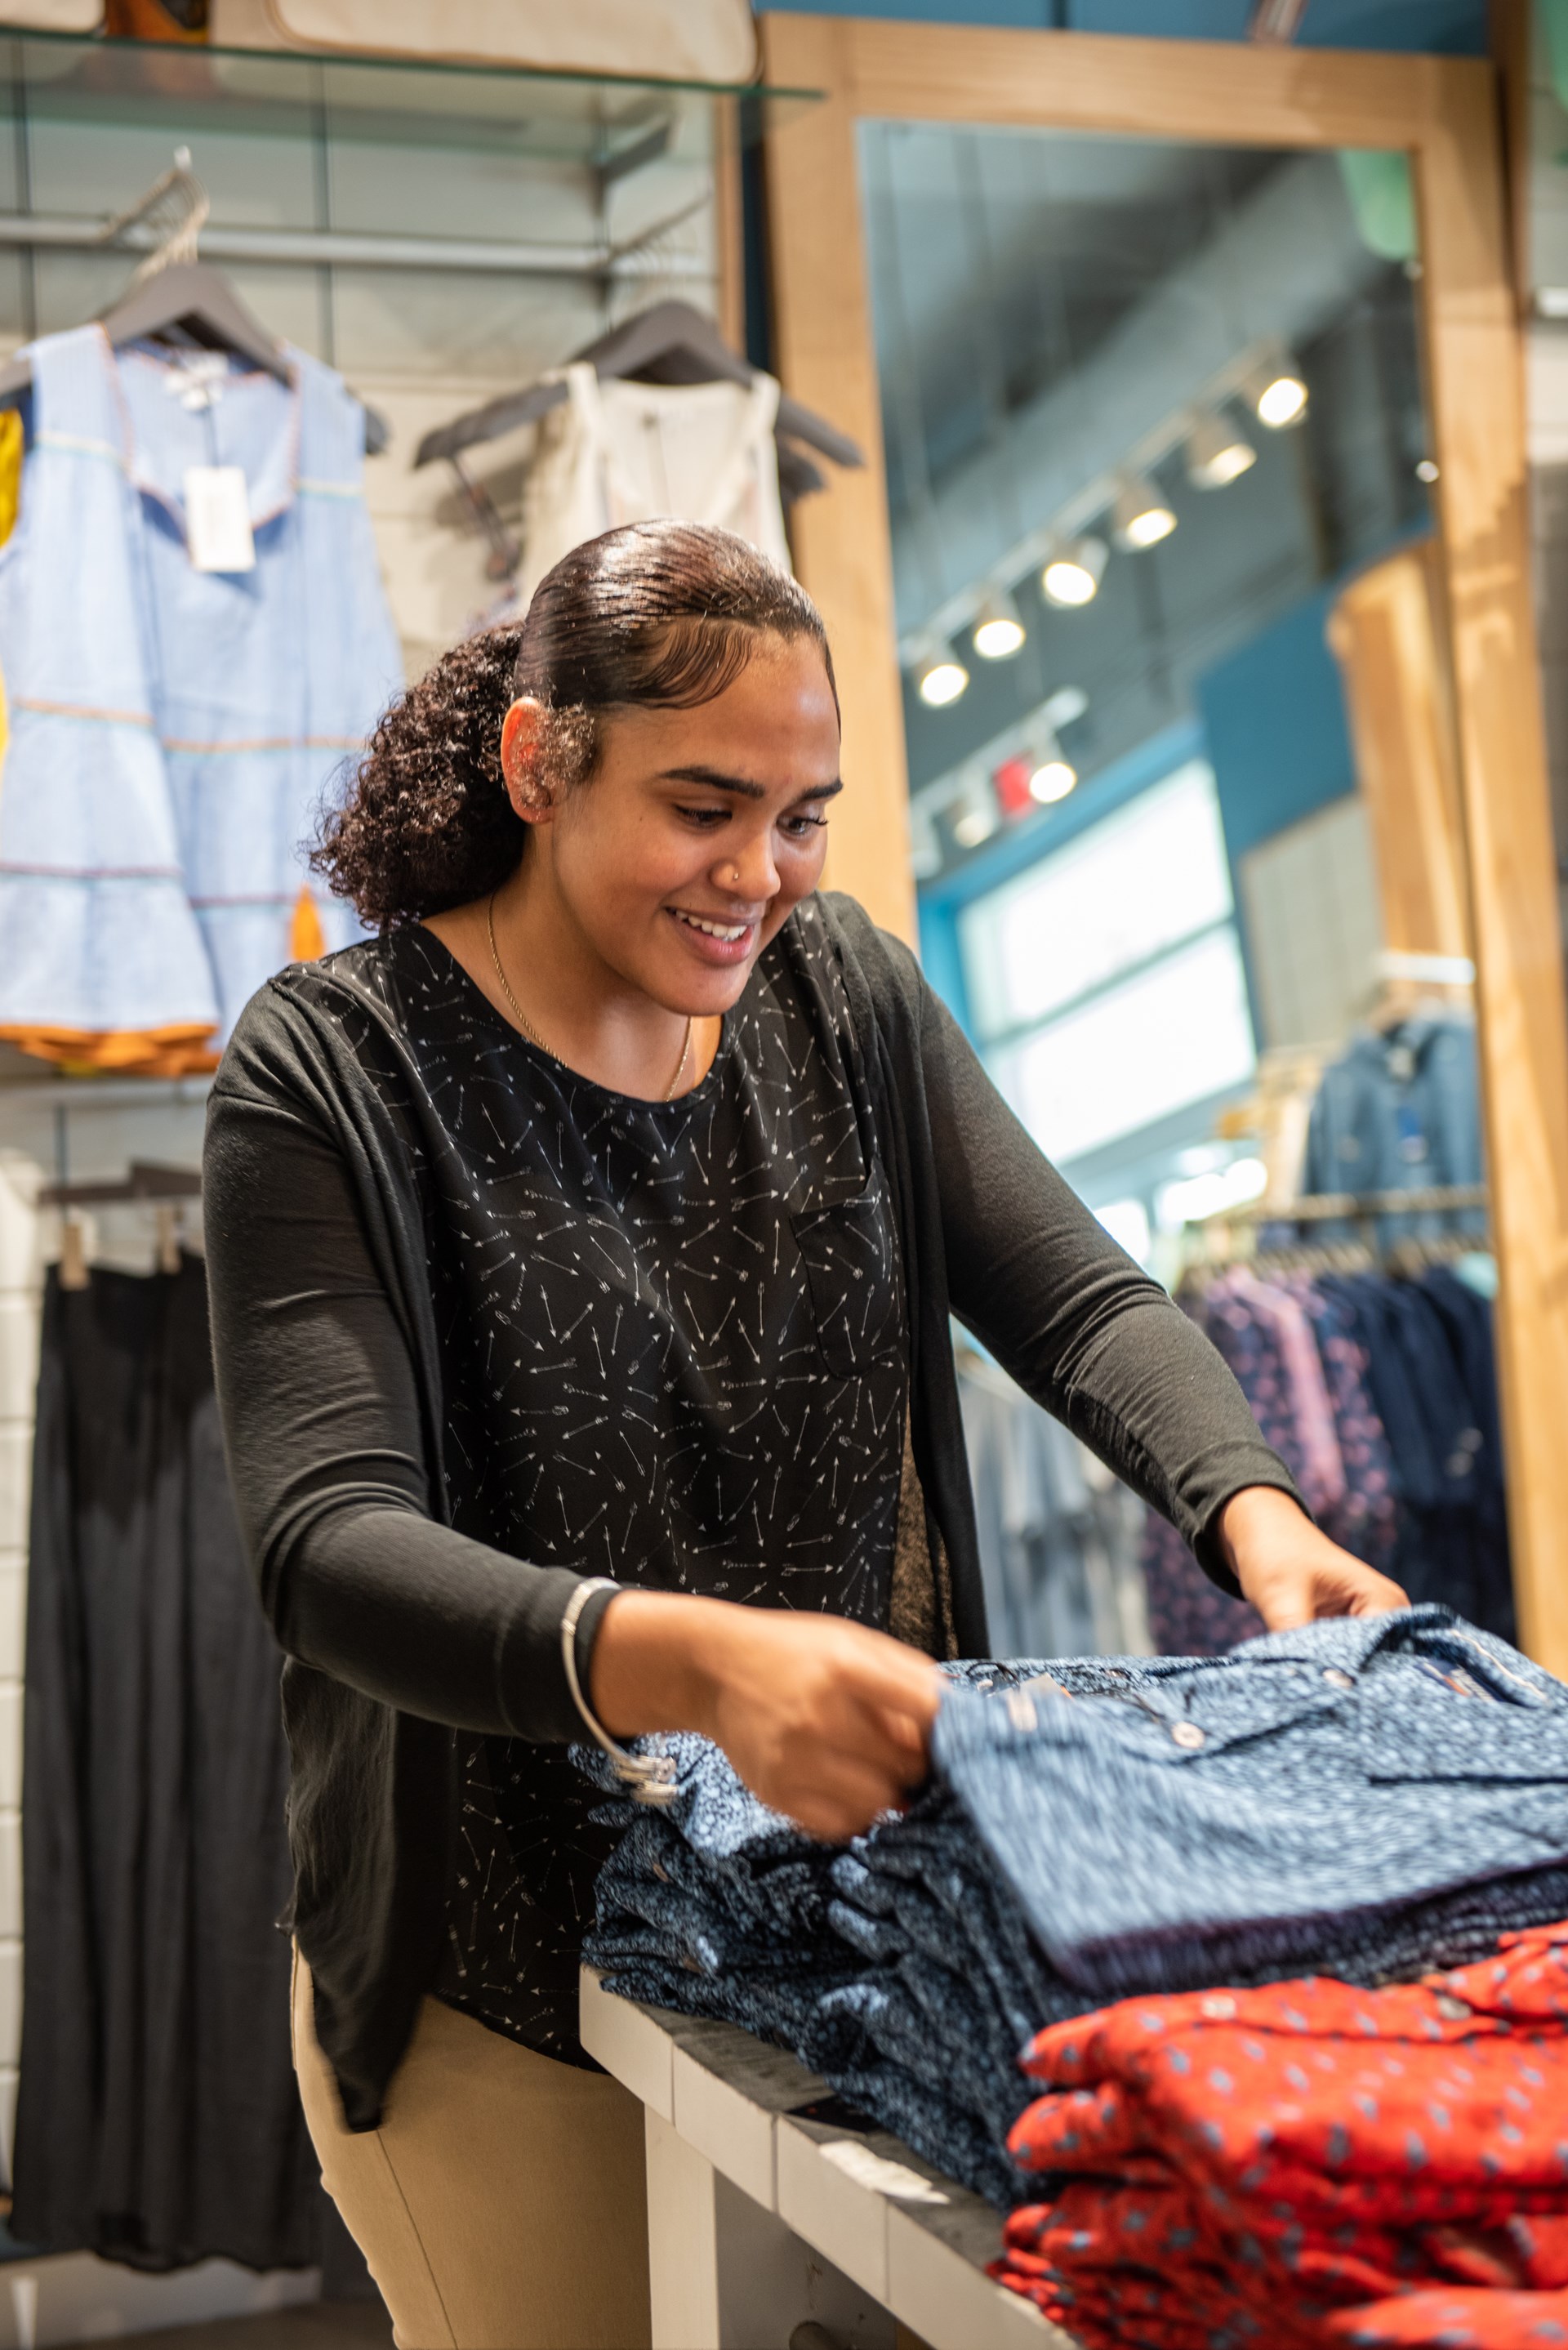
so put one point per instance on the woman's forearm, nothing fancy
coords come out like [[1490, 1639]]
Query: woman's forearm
[[650, 1667]]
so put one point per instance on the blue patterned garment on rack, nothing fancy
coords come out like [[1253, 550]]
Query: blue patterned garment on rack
[[174, 731]]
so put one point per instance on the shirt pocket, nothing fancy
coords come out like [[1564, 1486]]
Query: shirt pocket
[[850, 1254]]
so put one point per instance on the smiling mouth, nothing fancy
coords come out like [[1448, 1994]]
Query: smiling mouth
[[727, 931]]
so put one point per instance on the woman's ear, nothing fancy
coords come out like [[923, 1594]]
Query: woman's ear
[[522, 760]]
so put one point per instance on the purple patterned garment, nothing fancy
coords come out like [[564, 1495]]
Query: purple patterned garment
[[1366, 1520], [1189, 1615]]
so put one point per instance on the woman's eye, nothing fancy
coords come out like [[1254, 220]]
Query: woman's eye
[[797, 826], [705, 817]]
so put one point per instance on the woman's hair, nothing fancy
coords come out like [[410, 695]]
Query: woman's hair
[[658, 616]]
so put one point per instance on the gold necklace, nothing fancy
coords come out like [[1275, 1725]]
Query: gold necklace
[[527, 1025]]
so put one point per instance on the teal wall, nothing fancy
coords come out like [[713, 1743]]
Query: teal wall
[[1274, 722]]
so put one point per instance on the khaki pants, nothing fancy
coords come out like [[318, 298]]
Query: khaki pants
[[503, 2204]]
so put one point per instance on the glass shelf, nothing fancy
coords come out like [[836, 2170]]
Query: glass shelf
[[506, 111]]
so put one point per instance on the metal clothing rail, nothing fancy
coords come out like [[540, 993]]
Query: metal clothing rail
[[1326, 1207], [147, 1181], [70, 1093], [639, 258]]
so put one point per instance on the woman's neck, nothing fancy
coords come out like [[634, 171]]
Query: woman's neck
[[572, 1002]]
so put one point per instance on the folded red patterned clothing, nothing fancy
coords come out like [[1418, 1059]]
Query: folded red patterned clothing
[[1307, 2164]]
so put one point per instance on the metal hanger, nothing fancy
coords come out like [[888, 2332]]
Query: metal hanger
[[178, 299], [670, 342]]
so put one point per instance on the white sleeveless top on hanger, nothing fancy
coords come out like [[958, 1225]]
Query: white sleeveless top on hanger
[[616, 452]]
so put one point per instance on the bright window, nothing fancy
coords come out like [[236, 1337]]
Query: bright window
[[1106, 984], [1142, 881]]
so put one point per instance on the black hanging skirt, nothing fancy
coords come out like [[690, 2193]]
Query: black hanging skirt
[[158, 2122]]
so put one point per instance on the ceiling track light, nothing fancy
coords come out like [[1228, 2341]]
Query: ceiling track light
[[1142, 514], [1275, 23], [999, 629], [941, 677], [1052, 774], [1217, 453], [1073, 572], [1278, 393], [974, 818], [1064, 707]]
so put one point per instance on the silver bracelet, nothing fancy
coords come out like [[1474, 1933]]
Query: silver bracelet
[[649, 1778]]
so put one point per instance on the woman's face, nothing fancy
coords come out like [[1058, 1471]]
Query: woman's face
[[698, 831]]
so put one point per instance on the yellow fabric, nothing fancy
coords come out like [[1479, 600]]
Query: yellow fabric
[[503, 2203], [10, 471], [307, 940]]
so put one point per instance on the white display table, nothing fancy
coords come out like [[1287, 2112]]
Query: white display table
[[763, 2217]]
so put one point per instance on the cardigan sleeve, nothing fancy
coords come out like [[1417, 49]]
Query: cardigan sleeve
[[321, 1422], [1064, 1310]]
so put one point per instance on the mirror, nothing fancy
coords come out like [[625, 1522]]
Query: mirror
[[1184, 783]]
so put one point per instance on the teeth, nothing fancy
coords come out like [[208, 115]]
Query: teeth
[[727, 932]]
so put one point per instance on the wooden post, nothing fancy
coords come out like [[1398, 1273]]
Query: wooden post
[[826, 357], [1388, 633], [1477, 394]]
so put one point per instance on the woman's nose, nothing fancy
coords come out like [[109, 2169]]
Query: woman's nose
[[749, 872]]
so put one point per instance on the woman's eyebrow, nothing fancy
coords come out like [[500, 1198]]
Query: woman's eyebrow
[[714, 779]]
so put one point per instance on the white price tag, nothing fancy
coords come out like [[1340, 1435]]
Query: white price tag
[[218, 519]]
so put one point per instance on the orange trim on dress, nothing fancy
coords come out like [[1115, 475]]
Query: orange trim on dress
[[178, 1051], [307, 938]]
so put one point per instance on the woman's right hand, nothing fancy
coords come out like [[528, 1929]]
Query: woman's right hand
[[826, 1722]]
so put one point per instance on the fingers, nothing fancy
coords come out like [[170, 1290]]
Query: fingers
[[1378, 1596], [1289, 1600], [826, 1722], [1281, 1613], [844, 1804], [890, 1679]]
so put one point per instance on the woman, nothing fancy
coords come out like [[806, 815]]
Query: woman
[[582, 1251]]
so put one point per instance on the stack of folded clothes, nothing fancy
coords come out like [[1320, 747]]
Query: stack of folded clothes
[[1307, 2164], [1368, 1799]]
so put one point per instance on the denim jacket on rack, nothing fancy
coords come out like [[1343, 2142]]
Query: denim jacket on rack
[[1398, 1111], [173, 730]]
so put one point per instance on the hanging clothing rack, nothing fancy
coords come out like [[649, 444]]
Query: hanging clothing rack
[[145, 1182], [1326, 1207], [671, 342], [165, 1189], [1405, 1259], [1403, 1256]]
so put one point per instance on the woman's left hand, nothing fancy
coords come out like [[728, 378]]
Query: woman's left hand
[[1290, 1572]]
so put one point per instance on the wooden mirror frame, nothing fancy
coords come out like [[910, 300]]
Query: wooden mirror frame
[[1444, 114]]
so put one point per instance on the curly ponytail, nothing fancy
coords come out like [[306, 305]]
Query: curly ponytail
[[655, 616], [429, 823]]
